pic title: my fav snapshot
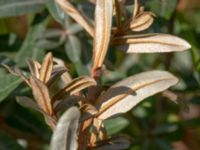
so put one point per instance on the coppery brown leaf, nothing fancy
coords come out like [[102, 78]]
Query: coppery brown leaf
[[76, 15], [34, 67], [136, 8], [75, 86], [46, 68], [103, 24], [151, 43], [66, 77], [127, 93], [142, 21], [41, 94]]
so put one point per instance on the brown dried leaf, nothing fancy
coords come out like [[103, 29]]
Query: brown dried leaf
[[34, 67], [150, 43], [41, 94], [136, 8], [127, 93], [103, 24], [75, 86], [76, 15], [46, 69], [97, 132], [66, 77], [142, 22]]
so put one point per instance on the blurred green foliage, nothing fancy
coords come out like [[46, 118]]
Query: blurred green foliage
[[29, 28]]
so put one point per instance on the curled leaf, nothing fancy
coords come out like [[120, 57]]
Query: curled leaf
[[75, 86], [103, 24], [142, 22], [150, 43], [41, 95], [66, 77], [127, 93], [65, 134], [76, 15]]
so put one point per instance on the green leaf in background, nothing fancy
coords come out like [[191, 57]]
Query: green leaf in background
[[10, 8], [56, 11], [115, 125], [3, 29], [73, 50], [20, 121], [8, 84], [7, 143], [29, 48], [163, 8]]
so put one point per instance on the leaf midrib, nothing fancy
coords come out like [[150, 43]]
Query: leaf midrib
[[107, 106]]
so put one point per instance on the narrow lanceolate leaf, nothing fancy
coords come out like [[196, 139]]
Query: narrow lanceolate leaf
[[41, 95], [46, 69], [75, 86], [30, 47], [127, 93], [65, 134], [34, 67], [136, 8], [150, 43], [142, 22], [29, 103], [76, 15], [103, 23]]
